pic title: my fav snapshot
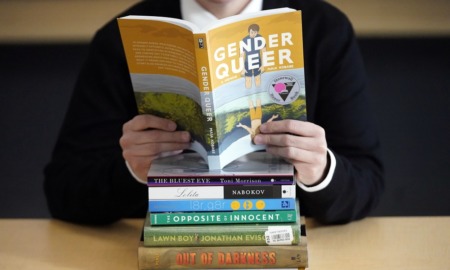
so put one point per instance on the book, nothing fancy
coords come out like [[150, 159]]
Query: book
[[222, 192], [204, 205], [221, 82], [248, 234], [190, 169], [225, 257], [222, 217]]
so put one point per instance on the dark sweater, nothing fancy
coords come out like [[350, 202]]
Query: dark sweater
[[87, 180]]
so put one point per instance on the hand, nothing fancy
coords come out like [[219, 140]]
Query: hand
[[301, 143], [147, 137]]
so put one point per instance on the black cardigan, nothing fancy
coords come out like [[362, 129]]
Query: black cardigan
[[87, 181]]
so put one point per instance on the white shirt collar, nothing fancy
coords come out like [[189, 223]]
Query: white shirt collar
[[193, 12]]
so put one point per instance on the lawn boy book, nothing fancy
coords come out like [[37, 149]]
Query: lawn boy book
[[219, 83], [226, 257], [190, 169]]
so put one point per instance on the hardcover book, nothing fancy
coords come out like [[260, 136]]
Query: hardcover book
[[225, 257], [219, 83]]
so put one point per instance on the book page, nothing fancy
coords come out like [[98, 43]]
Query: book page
[[156, 47], [163, 72]]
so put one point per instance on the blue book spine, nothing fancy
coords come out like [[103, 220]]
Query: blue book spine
[[220, 205]]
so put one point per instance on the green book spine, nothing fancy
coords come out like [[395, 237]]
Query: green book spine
[[224, 217], [219, 235]]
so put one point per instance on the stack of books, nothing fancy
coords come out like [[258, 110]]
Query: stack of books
[[226, 204], [244, 216]]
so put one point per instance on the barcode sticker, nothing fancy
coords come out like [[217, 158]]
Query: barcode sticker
[[279, 235]]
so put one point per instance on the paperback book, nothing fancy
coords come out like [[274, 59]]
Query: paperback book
[[219, 83], [222, 217], [222, 192], [190, 169], [205, 205]]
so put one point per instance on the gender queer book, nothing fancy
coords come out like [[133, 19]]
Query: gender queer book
[[219, 83]]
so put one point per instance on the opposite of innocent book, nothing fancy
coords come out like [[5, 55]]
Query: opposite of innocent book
[[220, 83], [222, 217]]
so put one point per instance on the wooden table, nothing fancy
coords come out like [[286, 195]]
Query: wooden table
[[373, 243]]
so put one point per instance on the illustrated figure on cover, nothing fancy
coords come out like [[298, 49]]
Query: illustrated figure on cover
[[252, 51], [255, 119]]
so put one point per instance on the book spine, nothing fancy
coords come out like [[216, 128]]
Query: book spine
[[231, 217], [220, 205], [226, 257], [204, 180], [205, 85], [216, 235], [222, 192]]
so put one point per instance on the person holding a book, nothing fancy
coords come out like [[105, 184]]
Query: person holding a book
[[104, 146]]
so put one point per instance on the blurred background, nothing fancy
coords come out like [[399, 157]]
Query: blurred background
[[406, 49]]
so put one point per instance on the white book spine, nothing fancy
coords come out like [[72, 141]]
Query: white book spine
[[186, 192], [221, 192]]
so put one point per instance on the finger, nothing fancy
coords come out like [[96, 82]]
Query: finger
[[296, 127], [154, 136], [294, 154], [152, 150], [147, 121], [170, 153], [288, 140], [158, 136]]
